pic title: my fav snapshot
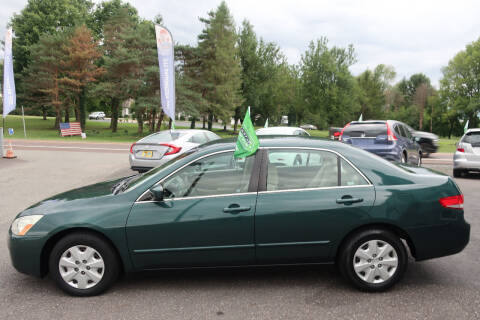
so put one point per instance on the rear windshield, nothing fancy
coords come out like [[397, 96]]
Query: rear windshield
[[366, 130], [164, 136], [473, 138]]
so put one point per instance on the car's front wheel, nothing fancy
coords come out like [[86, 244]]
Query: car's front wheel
[[373, 260], [83, 264]]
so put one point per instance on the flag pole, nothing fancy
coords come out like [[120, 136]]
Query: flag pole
[[23, 118]]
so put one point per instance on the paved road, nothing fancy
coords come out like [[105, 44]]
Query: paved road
[[75, 146], [445, 288]]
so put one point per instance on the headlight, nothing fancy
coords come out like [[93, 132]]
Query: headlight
[[21, 225]]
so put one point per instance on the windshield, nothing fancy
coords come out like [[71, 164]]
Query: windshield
[[131, 183], [366, 130], [163, 136]]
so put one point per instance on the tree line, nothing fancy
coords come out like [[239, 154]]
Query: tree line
[[72, 57]]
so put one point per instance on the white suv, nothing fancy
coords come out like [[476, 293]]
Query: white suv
[[97, 115]]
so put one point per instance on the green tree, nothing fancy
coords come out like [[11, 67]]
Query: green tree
[[43, 75], [328, 87], [117, 61], [44, 17], [460, 85], [104, 11], [372, 93], [188, 85], [221, 70]]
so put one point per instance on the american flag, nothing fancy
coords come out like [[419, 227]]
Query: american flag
[[70, 128]]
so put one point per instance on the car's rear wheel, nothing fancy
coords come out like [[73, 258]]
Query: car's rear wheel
[[404, 158], [458, 173], [373, 260], [419, 161], [83, 264]]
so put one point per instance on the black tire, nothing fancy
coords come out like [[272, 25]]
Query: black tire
[[420, 156], [459, 173], [111, 270], [347, 252], [404, 157]]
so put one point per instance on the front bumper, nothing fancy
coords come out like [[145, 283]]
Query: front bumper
[[441, 240], [26, 254], [429, 148]]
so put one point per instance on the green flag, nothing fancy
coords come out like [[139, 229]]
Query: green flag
[[466, 127], [361, 117], [247, 142], [266, 124]]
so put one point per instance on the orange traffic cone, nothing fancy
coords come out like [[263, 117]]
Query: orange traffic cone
[[9, 154]]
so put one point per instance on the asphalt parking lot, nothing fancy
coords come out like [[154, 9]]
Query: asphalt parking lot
[[445, 288]]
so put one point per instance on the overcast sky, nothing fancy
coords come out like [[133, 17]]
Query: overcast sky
[[412, 36]]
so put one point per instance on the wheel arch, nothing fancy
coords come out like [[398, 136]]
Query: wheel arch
[[47, 248], [402, 234]]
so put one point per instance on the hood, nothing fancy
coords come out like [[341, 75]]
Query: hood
[[83, 194], [423, 134]]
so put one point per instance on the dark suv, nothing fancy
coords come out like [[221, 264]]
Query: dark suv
[[389, 139]]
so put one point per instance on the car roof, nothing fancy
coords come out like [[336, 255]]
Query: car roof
[[281, 141], [278, 130], [473, 130], [183, 133]]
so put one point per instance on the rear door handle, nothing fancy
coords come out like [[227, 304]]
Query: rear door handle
[[235, 208], [347, 200]]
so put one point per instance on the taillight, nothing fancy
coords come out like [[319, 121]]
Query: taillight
[[390, 135], [131, 147], [171, 149], [453, 202], [341, 133], [460, 150]]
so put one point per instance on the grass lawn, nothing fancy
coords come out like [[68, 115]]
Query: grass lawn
[[99, 131], [448, 145]]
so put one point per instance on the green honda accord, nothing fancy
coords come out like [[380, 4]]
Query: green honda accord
[[297, 200]]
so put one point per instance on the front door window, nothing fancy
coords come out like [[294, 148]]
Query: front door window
[[217, 174]]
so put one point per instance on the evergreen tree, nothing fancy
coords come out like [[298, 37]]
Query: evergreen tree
[[43, 75], [80, 68], [220, 65], [117, 61]]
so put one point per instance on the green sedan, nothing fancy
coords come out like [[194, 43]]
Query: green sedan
[[296, 201]]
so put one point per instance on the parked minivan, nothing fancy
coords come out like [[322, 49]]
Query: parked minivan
[[389, 139]]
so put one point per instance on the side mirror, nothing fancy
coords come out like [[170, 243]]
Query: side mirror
[[157, 192]]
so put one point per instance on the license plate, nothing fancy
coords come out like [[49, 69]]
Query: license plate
[[147, 154]]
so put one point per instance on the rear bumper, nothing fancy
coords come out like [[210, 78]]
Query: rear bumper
[[145, 164], [460, 162], [438, 241]]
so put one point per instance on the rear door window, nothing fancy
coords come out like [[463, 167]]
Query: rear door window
[[290, 169], [366, 130]]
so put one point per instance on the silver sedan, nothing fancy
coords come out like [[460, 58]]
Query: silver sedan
[[160, 147], [467, 156]]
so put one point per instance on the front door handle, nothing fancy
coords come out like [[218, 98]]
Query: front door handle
[[347, 200], [235, 208]]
